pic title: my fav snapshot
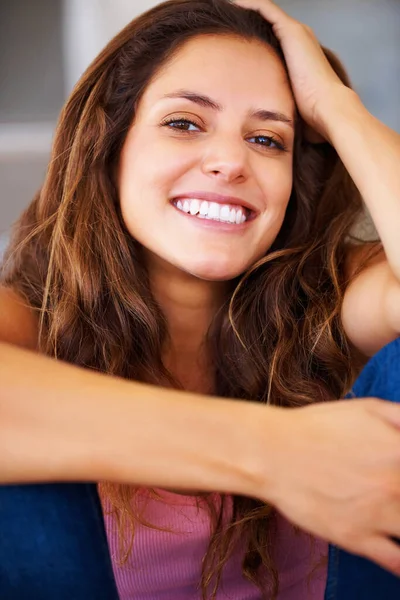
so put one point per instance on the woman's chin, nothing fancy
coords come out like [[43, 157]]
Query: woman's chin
[[215, 271]]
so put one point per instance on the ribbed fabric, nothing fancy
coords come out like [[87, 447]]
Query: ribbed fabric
[[167, 566]]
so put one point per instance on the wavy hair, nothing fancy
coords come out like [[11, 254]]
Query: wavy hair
[[277, 339]]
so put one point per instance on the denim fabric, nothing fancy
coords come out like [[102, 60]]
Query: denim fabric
[[351, 577], [53, 544]]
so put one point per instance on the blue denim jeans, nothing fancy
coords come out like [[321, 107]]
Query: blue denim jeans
[[351, 577], [53, 543]]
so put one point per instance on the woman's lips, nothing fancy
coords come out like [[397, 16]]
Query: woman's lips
[[219, 199], [214, 224]]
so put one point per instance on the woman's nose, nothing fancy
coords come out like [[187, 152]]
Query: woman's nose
[[225, 159]]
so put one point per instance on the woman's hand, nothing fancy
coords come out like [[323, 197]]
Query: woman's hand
[[334, 470], [313, 79]]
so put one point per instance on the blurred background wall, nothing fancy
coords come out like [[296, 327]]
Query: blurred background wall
[[45, 45]]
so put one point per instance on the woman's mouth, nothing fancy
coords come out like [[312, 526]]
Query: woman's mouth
[[214, 211]]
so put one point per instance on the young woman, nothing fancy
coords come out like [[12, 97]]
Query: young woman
[[190, 251]]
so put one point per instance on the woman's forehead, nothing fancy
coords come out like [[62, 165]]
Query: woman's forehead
[[226, 68]]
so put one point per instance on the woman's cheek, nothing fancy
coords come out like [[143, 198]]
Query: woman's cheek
[[279, 187]]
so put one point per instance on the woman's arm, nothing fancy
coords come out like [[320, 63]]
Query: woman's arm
[[371, 307], [371, 153], [326, 467], [59, 422]]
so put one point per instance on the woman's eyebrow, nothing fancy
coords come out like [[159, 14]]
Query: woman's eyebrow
[[207, 102]]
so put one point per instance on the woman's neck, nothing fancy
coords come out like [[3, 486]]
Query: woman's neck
[[189, 305]]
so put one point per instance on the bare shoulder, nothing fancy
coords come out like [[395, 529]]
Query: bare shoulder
[[19, 323], [370, 315]]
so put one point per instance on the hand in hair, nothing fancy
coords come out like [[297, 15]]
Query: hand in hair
[[312, 77]]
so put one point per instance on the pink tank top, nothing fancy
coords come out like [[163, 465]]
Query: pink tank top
[[167, 566]]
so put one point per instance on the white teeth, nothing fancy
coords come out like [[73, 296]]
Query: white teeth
[[212, 210], [204, 208], [194, 207], [225, 213]]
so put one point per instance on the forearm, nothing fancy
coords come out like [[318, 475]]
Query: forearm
[[63, 423], [371, 153]]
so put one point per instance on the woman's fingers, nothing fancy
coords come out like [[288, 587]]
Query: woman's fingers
[[336, 474], [269, 10], [313, 79], [388, 411], [384, 552]]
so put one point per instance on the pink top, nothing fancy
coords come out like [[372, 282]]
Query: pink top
[[167, 566]]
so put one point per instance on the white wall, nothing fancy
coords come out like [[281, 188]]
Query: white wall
[[89, 25]]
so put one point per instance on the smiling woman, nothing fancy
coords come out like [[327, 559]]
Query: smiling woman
[[189, 235]]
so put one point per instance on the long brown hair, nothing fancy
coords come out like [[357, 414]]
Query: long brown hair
[[278, 339]]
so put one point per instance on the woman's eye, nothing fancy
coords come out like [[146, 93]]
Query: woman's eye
[[268, 142], [181, 124], [187, 126]]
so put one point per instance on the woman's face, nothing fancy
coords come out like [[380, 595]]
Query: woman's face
[[205, 173]]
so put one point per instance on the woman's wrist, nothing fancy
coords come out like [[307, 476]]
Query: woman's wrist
[[335, 109], [267, 448]]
